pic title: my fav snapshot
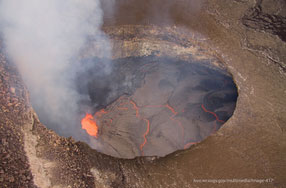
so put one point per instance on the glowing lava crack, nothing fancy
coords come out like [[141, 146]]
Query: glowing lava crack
[[89, 124], [156, 106]]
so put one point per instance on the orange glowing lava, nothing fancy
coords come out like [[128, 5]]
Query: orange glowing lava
[[89, 124], [189, 145], [172, 109], [216, 117], [100, 113], [136, 108], [214, 114], [174, 113], [179, 123], [144, 135]]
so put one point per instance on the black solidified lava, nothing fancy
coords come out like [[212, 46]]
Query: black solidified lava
[[155, 105]]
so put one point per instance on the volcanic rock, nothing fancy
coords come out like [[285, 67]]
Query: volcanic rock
[[251, 144]]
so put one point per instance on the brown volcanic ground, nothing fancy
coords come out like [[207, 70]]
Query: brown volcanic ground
[[250, 145]]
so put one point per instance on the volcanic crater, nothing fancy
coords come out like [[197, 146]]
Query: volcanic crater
[[153, 106], [161, 91], [162, 79]]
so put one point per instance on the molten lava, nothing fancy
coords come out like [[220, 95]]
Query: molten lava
[[89, 124], [216, 117], [186, 146], [214, 114], [145, 135], [100, 113], [136, 108]]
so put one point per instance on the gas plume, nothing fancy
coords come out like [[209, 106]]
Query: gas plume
[[44, 39]]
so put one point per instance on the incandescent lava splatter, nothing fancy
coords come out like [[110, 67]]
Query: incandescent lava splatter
[[89, 124]]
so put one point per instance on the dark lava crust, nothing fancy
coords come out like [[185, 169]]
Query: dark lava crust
[[153, 105], [250, 145]]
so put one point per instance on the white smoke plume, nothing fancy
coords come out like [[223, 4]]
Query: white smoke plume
[[43, 38]]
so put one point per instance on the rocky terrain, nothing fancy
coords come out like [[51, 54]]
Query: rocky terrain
[[248, 38]]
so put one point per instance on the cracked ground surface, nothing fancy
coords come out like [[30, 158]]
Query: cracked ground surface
[[176, 104], [251, 144]]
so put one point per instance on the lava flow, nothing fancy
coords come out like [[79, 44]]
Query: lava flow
[[215, 115], [144, 135], [217, 119], [89, 124], [186, 146], [135, 107], [177, 121], [174, 113], [172, 117], [100, 113]]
